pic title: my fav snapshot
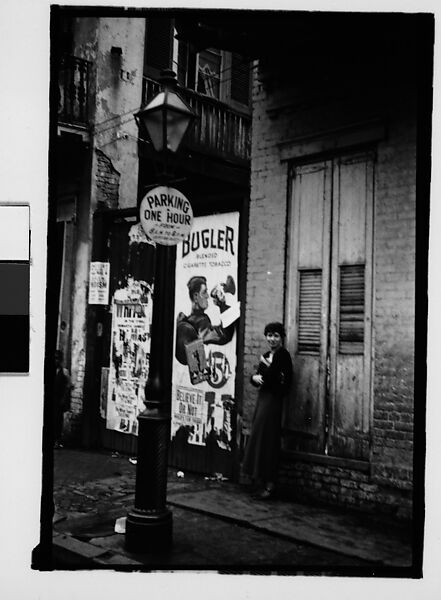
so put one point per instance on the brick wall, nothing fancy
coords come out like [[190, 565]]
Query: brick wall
[[107, 182], [266, 249], [303, 481], [394, 304], [386, 486]]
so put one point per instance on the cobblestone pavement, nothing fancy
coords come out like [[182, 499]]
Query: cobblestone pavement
[[98, 482]]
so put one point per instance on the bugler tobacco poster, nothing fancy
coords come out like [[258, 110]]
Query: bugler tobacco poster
[[206, 317]]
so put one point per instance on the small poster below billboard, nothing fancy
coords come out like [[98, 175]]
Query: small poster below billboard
[[99, 282]]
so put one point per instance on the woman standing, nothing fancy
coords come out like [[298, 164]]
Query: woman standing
[[273, 378]]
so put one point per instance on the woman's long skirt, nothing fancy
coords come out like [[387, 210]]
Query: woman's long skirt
[[262, 452]]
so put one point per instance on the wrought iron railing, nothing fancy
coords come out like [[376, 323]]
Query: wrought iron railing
[[73, 85], [220, 130]]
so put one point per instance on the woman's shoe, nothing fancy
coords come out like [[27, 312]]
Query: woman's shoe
[[267, 494]]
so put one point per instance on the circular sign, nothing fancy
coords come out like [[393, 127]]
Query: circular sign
[[166, 215]]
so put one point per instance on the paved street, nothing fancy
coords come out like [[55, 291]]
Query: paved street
[[202, 541], [216, 524]]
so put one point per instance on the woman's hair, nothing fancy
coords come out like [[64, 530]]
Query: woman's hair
[[275, 327]]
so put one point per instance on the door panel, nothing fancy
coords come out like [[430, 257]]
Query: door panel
[[348, 417], [349, 396], [350, 210], [65, 255], [306, 420], [310, 194], [308, 306], [64, 321]]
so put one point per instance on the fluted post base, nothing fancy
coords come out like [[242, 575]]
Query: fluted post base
[[149, 525], [147, 532]]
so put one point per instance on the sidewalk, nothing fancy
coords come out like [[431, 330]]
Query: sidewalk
[[92, 490]]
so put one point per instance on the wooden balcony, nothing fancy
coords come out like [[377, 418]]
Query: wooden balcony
[[73, 87], [220, 131]]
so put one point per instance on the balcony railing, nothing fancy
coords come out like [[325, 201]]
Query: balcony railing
[[73, 85], [219, 131]]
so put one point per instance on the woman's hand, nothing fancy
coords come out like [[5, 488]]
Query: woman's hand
[[258, 379]]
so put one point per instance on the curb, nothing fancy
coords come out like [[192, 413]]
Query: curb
[[304, 535], [71, 552], [273, 533]]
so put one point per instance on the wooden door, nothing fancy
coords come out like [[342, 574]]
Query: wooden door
[[329, 306], [308, 306]]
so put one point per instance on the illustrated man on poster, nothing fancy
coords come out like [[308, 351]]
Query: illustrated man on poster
[[197, 325]]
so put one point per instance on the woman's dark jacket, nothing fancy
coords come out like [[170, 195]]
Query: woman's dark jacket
[[277, 376]]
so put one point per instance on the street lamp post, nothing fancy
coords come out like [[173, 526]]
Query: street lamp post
[[149, 524]]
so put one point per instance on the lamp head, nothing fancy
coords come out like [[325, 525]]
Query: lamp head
[[167, 116]]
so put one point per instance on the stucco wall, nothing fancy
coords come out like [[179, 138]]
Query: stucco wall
[[112, 174]]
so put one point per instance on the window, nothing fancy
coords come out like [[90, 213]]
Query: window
[[209, 73], [214, 73]]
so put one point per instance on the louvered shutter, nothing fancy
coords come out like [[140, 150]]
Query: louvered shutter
[[351, 309], [240, 79], [310, 299], [186, 67], [182, 66], [158, 45]]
